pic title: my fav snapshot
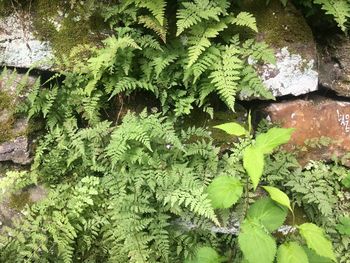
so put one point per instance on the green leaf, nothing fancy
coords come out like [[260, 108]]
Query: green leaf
[[278, 196], [224, 191], [272, 139], [291, 253], [316, 240], [346, 181], [232, 128], [253, 163], [255, 243], [268, 213], [344, 226], [314, 258], [205, 255]]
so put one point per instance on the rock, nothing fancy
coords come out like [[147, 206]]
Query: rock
[[43, 33], [334, 65], [322, 127], [285, 29], [19, 47], [16, 151], [13, 127]]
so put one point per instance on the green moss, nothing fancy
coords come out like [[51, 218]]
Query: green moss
[[7, 123], [19, 200], [65, 27], [280, 26], [5, 100]]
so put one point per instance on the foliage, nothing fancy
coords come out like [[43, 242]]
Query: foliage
[[119, 193]]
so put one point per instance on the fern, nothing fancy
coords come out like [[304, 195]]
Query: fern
[[339, 9], [226, 74]]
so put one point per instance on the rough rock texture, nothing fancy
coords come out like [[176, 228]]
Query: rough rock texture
[[322, 127], [18, 46], [11, 207], [13, 128], [286, 30], [334, 63]]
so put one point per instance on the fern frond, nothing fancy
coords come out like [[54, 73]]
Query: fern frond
[[153, 24], [245, 19], [194, 12], [226, 74], [199, 42], [156, 7], [339, 9]]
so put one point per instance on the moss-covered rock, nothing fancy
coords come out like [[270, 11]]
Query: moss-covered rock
[[38, 33]]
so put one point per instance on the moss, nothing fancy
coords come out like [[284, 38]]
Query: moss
[[280, 26], [7, 123], [55, 21], [18, 201], [5, 100]]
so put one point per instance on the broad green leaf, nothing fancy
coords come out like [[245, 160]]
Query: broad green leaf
[[253, 163], [255, 243], [314, 258], [268, 213], [291, 253], [224, 191], [232, 128], [316, 240], [278, 196], [273, 138], [344, 226], [205, 255]]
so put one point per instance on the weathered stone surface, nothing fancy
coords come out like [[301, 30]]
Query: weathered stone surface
[[13, 128], [285, 29], [334, 63], [18, 46], [15, 151], [322, 127]]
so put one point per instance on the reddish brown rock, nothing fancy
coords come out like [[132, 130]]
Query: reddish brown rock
[[322, 127]]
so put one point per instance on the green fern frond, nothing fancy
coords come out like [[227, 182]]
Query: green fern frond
[[194, 12], [339, 9], [226, 75], [153, 24], [199, 41], [156, 7], [245, 19]]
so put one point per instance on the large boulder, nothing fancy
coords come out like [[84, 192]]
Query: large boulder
[[285, 29], [322, 127]]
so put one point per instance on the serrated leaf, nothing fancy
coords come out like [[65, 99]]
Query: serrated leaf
[[253, 163], [224, 191], [314, 258], [232, 128], [255, 243], [205, 255], [344, 226], [291, 253], [278, 196], [316, 240], [275, 137], [268, 213]]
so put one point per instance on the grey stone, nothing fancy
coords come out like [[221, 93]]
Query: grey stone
[[19, 47], [16, 151], [286, 31], [334, 63]]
